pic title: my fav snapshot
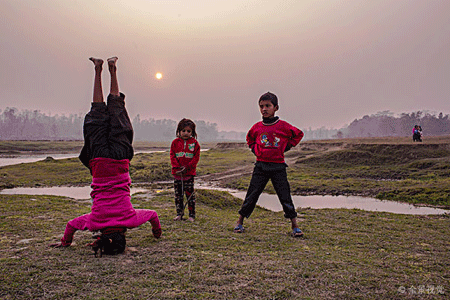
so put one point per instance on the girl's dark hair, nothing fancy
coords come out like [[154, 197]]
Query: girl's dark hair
[[185, 123], [111, 241]]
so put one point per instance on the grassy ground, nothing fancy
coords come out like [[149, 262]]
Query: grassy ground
[[36, 147], [346, 254]]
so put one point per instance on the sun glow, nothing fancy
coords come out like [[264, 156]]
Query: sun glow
[[158, 76]]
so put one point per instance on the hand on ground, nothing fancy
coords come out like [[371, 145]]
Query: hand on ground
[[157, 233]]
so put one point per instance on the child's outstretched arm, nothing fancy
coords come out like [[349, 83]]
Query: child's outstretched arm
[[66, 240], [72, 226], [156, 226]]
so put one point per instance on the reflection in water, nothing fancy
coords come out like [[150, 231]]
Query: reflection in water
[[365, 203], [74, 192], [6, 161], [272, 203], [267, 201], [21, 159]]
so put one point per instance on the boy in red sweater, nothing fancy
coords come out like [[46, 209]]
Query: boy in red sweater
[[269, 139]]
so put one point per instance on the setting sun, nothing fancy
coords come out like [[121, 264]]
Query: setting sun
[[158, 75]]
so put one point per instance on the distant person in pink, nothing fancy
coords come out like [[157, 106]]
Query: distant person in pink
[[107, 151]]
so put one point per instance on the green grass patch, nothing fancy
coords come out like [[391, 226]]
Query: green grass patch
[[391, 169], [148, 167], [48, 172], [413, 173], [37, 147]]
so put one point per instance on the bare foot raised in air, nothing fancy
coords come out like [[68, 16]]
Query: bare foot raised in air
[[98, 62], [112, 63]]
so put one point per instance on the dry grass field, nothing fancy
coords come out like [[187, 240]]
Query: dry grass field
[[345, 254]]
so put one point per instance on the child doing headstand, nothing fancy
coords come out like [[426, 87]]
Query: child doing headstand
[[184, 156], [268, 140], [107, 151]]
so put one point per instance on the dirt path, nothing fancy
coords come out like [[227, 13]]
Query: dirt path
[[218, 178], [226, 175]]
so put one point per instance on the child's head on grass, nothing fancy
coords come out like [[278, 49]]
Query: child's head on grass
[[111, 241]]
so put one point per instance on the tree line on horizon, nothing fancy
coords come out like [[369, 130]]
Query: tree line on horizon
[[384, 124], [34, 125]]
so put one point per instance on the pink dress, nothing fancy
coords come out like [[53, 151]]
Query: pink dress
[[111, 198]]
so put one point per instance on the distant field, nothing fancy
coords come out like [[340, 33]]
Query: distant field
[[38, 147], [43, 147], [386, 168], [386, 140], [75, 146]]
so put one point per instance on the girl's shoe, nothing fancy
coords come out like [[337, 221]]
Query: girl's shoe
[[239, 228], [178, 218], [296, 232], [191, 219]]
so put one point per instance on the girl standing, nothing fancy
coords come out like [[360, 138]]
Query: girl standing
[[184, 156]]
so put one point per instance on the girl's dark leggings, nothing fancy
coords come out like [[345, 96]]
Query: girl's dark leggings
[[107, 131], [181, 188]]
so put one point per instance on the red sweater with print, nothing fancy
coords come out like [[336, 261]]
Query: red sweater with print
[[270, 141], [184, 153]]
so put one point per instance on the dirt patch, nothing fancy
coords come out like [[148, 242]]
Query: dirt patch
[[231, 145], [222, 177]]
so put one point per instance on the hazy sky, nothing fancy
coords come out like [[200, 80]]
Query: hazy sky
[[329, 61]]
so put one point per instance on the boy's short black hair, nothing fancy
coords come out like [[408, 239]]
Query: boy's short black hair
[[269, 96]]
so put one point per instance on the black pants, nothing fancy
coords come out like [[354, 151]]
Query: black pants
[[107, 131], [181, 188], [260, 178]]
